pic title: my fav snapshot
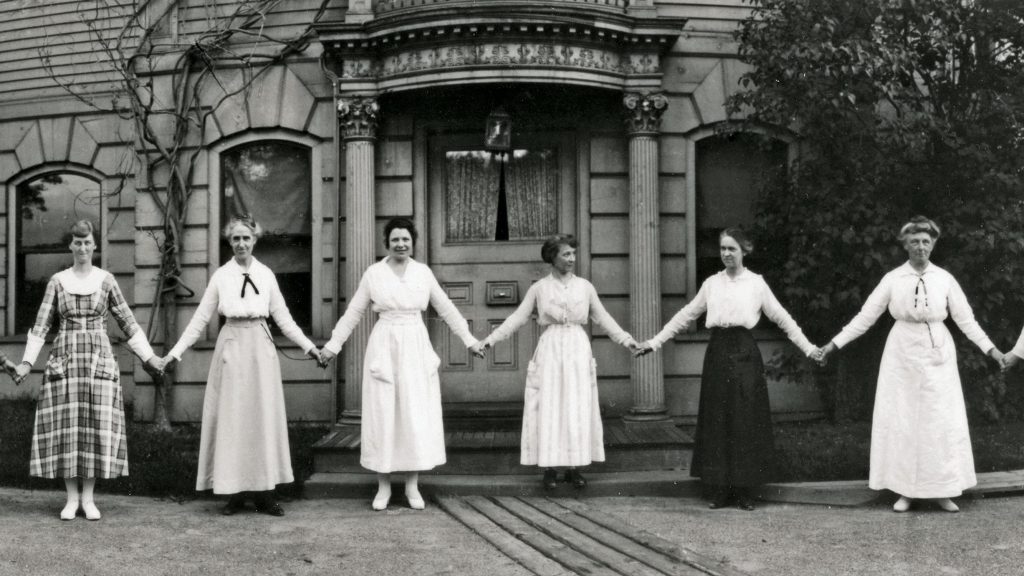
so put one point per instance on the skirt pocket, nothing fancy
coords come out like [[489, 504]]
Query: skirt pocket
[[56, 368]]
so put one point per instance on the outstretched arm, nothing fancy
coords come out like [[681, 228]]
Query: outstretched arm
[[354, 313], [515, 320]]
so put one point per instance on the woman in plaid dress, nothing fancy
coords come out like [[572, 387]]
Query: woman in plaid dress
[[79, 428]]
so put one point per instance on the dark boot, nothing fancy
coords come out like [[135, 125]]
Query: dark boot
[[721, 496], [267, 504], [236, 503], [744, 499], [573, 476], [550, 479]]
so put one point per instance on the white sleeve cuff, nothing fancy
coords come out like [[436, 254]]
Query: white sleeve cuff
[[33, 346], [140, 346]]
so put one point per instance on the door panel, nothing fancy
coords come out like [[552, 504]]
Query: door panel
[[487, 276]]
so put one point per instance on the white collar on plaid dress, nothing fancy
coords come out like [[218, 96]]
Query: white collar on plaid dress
[[81, 286]]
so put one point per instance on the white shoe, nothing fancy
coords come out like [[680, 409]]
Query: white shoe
[[415, 500], [70, 511], [901, 505], [381, 500], [91, 511], [947, 505]]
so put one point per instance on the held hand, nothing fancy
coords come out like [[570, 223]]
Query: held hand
[[642, 349], [155, 367], [21, 370], [480, 349], [325, 357], [12, 371], [1008, 361], [823, 354], [317, 355], [169, 363], [996, 355]]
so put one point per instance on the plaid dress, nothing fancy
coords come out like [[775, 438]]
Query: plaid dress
[[79, 425]]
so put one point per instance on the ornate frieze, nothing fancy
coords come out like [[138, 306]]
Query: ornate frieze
[[358, 117], [643, 112], [508, 54]]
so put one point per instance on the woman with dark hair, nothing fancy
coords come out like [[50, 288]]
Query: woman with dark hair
[[79, 428], [243, 447], [920, 444], [733, 442], [401, 423], [561, 414]]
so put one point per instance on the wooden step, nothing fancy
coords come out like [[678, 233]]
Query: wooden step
[[496, 450]]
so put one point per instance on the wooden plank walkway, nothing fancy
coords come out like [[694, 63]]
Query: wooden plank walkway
[[551, 537], [616, 434]]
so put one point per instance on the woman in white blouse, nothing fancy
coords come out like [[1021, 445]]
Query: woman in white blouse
[[243, 448], [561, 413], [401, 426], [733, 442], [920, 444]]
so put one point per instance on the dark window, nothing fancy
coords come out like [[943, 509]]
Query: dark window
[[47, 207], [271, 180], [731, 171]]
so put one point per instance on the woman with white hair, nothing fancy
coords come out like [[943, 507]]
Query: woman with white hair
[[920, 444], [243, 447]]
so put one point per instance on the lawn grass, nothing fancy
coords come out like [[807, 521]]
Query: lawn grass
[[821, 451]]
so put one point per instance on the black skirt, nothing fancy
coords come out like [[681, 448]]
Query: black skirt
[[733, 444]]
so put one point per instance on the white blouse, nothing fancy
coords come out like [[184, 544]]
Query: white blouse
[[557, 303], [384, 291], [734, 301], [929, 296], [224, 295]]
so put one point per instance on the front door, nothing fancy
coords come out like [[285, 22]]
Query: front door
[[489, 215]]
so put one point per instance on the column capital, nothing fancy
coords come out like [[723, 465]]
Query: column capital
[[643, 112], [358, 117]]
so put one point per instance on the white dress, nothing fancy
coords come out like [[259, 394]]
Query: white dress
[[244, 441], [401, 423], [920, 444], [561, 413]]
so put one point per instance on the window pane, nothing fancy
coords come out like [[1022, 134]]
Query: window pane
[[272, 181], [492, 197], [48, 206], [731, 170]]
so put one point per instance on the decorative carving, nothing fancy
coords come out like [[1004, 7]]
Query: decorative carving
[[358, 117], [643, 111]]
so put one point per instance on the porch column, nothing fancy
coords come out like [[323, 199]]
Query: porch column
[[643, 116], [357, 126]]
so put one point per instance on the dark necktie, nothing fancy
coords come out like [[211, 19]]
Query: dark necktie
[[248, 282]]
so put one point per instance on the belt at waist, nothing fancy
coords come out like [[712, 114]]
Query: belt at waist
[[245, 321], [726, 329], [401, 317]]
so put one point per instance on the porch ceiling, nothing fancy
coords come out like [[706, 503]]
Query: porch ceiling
[[445, 43]]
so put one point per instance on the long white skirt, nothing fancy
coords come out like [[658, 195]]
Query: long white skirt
[[561, 414], [244, 442], [401, 423], [920, 443]]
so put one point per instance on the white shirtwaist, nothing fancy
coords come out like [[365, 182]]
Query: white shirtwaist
[[734, 301], [401, 424], [920, 445]]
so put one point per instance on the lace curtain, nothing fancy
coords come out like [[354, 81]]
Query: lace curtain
[[473, 188]]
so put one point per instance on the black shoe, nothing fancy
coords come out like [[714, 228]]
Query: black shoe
[[720, 498], [550, 479], [236, 503], [265, 504], [573, 476], [745, 503]]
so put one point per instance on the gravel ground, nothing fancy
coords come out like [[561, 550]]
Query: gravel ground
[[146, 537], [986, 537]]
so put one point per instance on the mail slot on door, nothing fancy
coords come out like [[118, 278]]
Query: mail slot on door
[[502, 293]]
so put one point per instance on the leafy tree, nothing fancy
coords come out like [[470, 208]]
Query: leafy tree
[[904, 107]]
